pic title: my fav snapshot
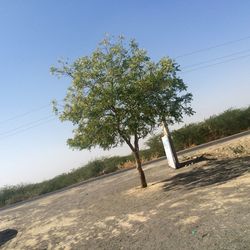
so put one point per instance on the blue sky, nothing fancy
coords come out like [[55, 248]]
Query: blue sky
[[35, 34]]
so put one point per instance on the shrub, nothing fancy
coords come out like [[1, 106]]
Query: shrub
[[230, 122]]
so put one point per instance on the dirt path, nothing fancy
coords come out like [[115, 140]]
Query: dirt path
[[203, 206]]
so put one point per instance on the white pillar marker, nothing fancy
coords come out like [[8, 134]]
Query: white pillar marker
[[169, 148]]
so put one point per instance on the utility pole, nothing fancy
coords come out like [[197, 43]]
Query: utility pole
[[169, 147]]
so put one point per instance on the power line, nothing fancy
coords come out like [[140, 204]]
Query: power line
[[27, 124], [215, 59], [212, 47], [213, 64], [28, 128], [26, 113]]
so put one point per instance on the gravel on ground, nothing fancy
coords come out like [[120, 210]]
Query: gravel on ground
[[203, 205]]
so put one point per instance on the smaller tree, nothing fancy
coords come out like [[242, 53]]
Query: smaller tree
[[118, 95], [155, 145]]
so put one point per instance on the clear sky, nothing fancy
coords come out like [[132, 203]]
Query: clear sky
[[35, 34]]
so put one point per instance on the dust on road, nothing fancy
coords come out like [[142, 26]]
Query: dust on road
[[202, 206]]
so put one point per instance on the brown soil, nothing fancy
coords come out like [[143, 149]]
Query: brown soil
[[205, 205]]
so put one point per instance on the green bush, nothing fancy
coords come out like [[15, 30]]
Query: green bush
[[230, 122], [13, 194], [155, 146]]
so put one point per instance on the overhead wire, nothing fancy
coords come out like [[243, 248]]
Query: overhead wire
[[213, 64], [212, 47], [26, 113], [215, 59], [28, 128], [27, 124]]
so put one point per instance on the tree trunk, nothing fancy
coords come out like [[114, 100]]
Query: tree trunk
[[140, 170], [135, 150]]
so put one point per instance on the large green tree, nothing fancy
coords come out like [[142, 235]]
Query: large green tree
[[119, 95]]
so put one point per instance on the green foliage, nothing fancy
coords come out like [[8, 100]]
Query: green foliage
[[118, 93], [154, 143], [230, 122], [13, 194]]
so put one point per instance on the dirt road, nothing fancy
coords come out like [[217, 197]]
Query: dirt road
[[203, 206]]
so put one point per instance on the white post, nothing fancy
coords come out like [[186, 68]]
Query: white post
[[169, 147]]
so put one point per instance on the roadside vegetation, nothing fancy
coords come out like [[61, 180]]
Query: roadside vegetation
[[230, 122]]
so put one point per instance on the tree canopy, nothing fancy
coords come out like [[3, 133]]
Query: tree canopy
[[119, 95]]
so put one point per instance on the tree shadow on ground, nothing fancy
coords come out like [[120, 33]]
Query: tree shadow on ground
[[7, 235], [195, 160], [214, 172]]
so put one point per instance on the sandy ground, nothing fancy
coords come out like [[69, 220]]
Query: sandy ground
[[205, 205]]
